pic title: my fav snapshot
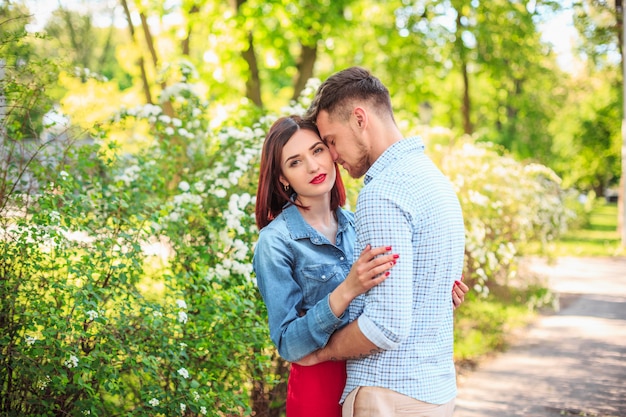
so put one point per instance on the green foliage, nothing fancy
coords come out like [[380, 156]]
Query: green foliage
[[597, 237], [23, 76], [97, 323], [587, 134], [128, 275]]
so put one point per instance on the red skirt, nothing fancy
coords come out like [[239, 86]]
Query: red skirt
[[315, 391]]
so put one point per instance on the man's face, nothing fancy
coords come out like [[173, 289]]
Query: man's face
[[345, 144]]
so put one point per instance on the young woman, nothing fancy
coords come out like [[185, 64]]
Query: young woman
[[303, 260]]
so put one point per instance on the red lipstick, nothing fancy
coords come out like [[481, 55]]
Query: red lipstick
[[319, 179]]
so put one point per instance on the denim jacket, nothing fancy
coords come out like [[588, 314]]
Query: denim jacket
[[296, 269]]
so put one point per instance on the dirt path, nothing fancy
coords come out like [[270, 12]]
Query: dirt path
[[572, 363]]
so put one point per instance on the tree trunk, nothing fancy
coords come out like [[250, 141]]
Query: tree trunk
[[185, 44], [306, 62], [466, 103], [467, 123], [253, 83], [167, 107], [621, 195], [107, 45], [140, 61]]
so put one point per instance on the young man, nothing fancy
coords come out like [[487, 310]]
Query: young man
[[399, 344]]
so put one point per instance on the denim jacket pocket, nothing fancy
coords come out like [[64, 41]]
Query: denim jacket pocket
[[318, 281]]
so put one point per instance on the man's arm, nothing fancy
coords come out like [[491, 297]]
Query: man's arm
[[347, 343]]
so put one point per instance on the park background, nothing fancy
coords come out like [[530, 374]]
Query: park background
[[130, 135]]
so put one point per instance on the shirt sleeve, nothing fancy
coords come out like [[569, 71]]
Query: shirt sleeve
[[388, 307], [295, 335]]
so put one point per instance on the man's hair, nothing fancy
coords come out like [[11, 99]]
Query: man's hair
[[338, 93]]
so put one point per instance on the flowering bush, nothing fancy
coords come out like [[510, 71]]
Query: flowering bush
[[507, 205], [127, 276], [128, 295]]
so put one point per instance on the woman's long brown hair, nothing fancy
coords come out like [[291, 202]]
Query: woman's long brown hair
[[270, 196]]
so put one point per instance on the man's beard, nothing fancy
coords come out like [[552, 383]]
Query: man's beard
[[362, 164]]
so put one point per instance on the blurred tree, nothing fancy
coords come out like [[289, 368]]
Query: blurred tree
[[601, 24], [86, 48], [23, 76]]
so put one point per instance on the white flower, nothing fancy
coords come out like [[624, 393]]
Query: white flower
[[157, 314], [30, 340], [199, 186], [183, 372], [43, 383], [55, 216], [182, 317], [154, 402], [183, 186], [64, 175], [181, 304], [183, 407], [72, 362], [169, 131], [92, 315], [203, 410]]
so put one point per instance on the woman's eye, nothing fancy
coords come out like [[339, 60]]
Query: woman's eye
[[318, 150]]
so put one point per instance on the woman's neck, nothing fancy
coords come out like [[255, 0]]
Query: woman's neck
[[320, 217]]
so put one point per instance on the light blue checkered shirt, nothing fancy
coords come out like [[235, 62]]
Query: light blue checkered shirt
[[407, 203]]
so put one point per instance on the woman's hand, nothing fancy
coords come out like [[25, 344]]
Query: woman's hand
[[369, 270], [459, 289]]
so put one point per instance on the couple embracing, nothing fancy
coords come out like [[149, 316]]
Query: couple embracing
[[360, 303]]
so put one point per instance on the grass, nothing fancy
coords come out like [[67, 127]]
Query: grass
[[599, 237]]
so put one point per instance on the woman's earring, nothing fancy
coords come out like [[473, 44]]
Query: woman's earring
[[286, 187]]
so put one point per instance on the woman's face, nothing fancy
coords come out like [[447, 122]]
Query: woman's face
[[307, 165]]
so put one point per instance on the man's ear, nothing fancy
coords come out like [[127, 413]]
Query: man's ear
[[360, 117]]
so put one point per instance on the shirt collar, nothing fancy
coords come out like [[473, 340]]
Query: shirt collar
[[393, 153]]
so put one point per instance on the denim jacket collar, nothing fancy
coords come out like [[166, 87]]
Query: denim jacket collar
[[300, 229]]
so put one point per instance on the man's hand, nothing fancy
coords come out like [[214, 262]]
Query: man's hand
[[310, 359]]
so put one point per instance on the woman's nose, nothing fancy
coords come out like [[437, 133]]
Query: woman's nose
[[313, 165]]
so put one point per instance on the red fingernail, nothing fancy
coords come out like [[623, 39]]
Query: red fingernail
[[387, 273], [457, 282], [388, 247], [396, 256]]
